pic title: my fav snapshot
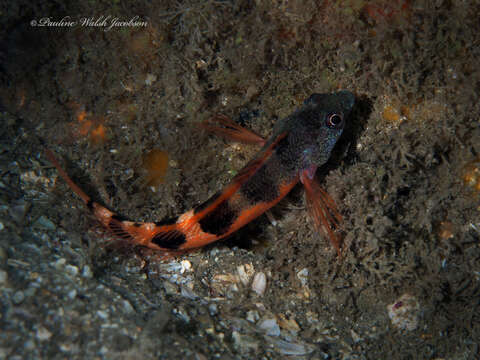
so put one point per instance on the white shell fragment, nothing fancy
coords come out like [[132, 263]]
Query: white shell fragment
[[290, 348], [259, 283], [253, 316], [150, 79], [43, 334], [225, 284], [225, 278], [303, 276], [288, 324], [245, 273], [186, 266], [176, 272], [270, 327], [404, 312]]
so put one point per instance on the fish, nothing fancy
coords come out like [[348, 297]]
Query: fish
[[300, 144]]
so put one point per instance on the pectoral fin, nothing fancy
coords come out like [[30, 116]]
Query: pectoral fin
[[322, 210]]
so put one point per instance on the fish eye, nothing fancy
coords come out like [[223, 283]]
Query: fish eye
[[334, 120]]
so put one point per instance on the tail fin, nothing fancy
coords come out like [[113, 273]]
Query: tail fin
[[159, 236], [76, 189]]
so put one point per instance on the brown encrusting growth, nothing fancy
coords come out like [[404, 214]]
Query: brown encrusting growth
[[404, 176]]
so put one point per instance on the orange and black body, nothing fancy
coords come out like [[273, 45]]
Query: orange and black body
[[300, 143]]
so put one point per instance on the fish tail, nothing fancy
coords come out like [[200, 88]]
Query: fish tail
[[76, 189], [175, 234]]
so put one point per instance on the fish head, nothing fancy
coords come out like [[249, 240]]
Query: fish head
[[321, 122]]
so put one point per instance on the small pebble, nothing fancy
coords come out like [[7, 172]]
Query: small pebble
[[29, 345], [188, 293], [44, 223], [17, 211], [43, 334], [213, 309], [60, 263], [102, 314], [355, 337], [3, 277], [270, 326], [72, 294], [259, 283], [66, 347], [288, 324], [214, 252], [87, 272], [170, 289], [71, 270], [252, 316], [261, 307], [242, 275], [31, 291], [244, 343], [245, 273], [150, 79], [303, 276], [404, 312], [292, 348], [127, 307], [18, 297], [186, 266], [182, 314]]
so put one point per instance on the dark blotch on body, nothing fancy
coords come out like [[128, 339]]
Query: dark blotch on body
[[118, 218], [260, 187], [170, 239], [219, 220]]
